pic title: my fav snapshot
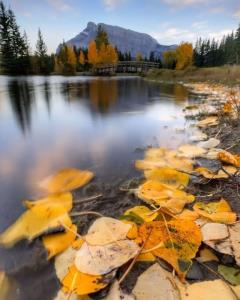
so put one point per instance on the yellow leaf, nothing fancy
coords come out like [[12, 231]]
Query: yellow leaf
[[66, 180], [82, 284], [168, 176], [205, 172], [35, 222], [63, 199], [57, 243], [133, 231], [229, 158], [209, 121], [143, 212], [219, 212], [4, 286], [164, 195], [176, 242], [146, 257], [191, 151], [188, 214]]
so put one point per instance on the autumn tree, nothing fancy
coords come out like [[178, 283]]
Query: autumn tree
[[101, 37], [82, 58], [184, 56], [139, 56], [92, 53], [169, 59], [66, 60]]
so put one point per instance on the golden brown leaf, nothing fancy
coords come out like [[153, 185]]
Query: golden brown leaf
[[66, 180], [205, 172], [229, 158], [143, 212], [209, 121]]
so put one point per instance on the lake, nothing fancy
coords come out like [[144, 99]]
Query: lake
[[99, 124]]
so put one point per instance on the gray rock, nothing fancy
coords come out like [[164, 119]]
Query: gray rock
[[126, 40]]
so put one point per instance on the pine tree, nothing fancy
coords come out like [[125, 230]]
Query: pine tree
[[101, 38], [41, 55]]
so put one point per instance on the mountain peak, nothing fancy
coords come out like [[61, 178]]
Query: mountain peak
[[126, 40]]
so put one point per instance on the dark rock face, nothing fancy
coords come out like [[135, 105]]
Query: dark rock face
[[126, 40]]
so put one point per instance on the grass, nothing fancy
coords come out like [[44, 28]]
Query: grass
[[227, 74]]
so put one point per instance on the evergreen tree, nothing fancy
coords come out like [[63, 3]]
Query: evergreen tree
[[41, 55], [101, 38]]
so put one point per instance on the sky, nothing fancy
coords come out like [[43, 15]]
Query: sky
[[169, 21]]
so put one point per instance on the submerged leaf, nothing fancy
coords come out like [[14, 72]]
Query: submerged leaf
[[219, 212], [107, 230], [209, 144], [66, 180], [232, 275], [82, 284], [99, 260], [57, 243], [143, 212], [210, 121], [176, 242], [191, 151], [35, 222], [168, 176], [163, 195], [155, 283]]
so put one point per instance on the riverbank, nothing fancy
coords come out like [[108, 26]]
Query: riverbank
[[229, 75]]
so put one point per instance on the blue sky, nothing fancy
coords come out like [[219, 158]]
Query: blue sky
[[169, 21]]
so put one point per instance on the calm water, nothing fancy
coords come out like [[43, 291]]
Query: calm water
[[48, 123]]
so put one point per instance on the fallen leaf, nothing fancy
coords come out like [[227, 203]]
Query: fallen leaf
[[206, 290], [212, 154], [168, 176], [63, 199], [191, 151], [228, 107], [209, 144], [143, 212], [106, 230], [234, 231], [214, 231], [57, 243], [176, 242], [99, 260], [206, 255], [223, 246], [83, 284], [35, 222], [155, 283], [219, 212], [198, 136], [205, 172], [229, 158], [66, 180], [163, 195], [146, 257], [188, 214], [116, 293], [133, 231], [209, 121], [4, 286], [232, 275]]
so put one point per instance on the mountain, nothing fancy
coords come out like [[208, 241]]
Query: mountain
[[126, 40]]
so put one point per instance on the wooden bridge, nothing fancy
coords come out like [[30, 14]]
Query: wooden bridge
[[126, 67]]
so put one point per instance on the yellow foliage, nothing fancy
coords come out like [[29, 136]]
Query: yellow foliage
[[106, 54], [168, 176], [143, 212], [165, 196], [184, 56], [219, 212], [139, 56], [169, 58], [146, 257], [176, 242], [71, 56], [205, 172], [228, 107], [82, 58], [133, 231], [63, 199], [188, 214], [229, 158], [58, 242], [66, 180], [34, 222], [92, 53], [82, 284]]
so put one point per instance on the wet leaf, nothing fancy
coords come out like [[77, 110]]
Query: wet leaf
[[191, 151], [210, 121], [155, 283], [163, 195], [232, 275], [188, 214], [229, 158], [198, 136], [82, 284], [143, 212], [57, 243], [63, 199], [214, 231], [207, 255], [35, 222], [66, 180], [206, 290], [106, 230], [205, 172], [99, 260], [219, 212], [209, 144], [168, 176], [176, 242], [212, 154]]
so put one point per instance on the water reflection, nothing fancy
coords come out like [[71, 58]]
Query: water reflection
[[21, 95]]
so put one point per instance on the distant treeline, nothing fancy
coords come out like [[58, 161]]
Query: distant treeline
[[210, 53]]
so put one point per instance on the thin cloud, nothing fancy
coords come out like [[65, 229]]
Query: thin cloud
[[112, 4], [236, 15], [60, 5]]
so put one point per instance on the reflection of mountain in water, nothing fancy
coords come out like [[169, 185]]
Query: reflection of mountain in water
[[21, 94]]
